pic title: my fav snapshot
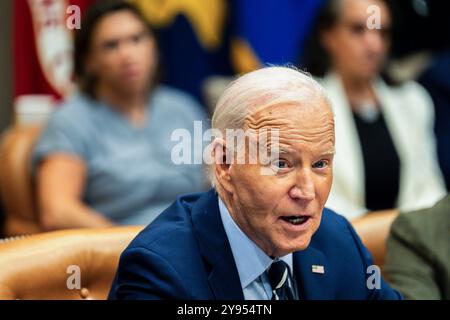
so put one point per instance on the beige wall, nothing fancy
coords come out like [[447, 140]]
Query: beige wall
[[6, 62]]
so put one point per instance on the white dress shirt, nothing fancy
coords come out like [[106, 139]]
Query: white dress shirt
[[251, 261]]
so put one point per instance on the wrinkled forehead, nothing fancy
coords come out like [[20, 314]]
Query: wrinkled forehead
[[301, 116], [294, 126]]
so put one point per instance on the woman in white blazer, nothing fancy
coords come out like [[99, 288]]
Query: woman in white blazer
[[385, 146]]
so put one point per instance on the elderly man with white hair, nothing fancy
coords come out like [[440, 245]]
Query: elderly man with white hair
[[262, 232]]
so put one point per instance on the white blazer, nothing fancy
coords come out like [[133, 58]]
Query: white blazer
[[409, 115]]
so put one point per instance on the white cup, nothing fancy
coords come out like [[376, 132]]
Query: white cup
[[33, 109]]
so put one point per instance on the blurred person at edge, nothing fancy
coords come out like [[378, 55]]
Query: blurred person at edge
[[417, 253], [384, 133], [105, 156]]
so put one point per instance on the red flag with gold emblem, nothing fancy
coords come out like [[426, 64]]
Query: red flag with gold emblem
[[43, 46]]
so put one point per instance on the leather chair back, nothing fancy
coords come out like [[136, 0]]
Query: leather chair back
[[16, 186], [373, 230], [51, 265]]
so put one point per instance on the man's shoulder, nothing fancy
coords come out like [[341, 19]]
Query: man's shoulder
[[172, 230], [336, 238], [332, 224]]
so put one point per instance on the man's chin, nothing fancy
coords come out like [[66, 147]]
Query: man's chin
[[290, 246]]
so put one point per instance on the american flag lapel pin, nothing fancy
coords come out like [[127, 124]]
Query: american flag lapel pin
[[318, 269]]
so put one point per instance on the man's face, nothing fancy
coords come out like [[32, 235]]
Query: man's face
[[123, 54], [354, 48], [281, 211]]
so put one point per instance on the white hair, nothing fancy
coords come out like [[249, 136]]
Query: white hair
[[263, 88], [260, 89]]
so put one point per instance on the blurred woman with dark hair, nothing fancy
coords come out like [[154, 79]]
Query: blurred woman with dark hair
[[105, 156], [385, 147]]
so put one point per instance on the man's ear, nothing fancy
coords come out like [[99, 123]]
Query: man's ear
[[222, 165]]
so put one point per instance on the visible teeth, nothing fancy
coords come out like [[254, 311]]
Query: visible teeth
[[295, 220]]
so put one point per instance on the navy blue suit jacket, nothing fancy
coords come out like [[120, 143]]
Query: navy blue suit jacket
[[185, 254]]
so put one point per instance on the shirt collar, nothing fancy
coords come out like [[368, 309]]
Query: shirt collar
[[251, 261]]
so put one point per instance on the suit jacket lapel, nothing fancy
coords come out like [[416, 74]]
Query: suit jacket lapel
[[213, 242], [312, 285]]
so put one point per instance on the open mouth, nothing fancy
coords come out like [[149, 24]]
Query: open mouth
[[296, 220]]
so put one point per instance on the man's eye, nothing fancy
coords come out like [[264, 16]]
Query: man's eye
[[281, 164], [320, 164]]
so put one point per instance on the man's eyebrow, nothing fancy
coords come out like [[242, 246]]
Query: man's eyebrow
[[329, 152], [284, 150], [280, 150], [270, 148]]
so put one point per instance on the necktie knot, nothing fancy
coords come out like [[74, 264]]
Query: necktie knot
[[281, 281], [278, 273]]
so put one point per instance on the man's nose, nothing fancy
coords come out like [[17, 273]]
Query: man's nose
[[304, 187]]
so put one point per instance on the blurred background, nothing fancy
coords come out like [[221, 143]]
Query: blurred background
[[199, 39], [205, 43]]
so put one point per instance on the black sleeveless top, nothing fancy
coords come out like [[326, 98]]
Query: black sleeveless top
[[381, 163]]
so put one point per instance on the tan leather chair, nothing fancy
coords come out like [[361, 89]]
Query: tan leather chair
[[16, 188], [373, 230], [38, 267]]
